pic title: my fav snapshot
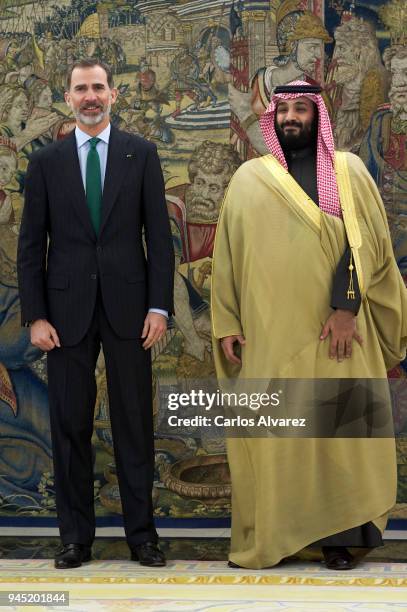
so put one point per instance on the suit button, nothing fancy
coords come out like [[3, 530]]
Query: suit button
[[99, 249], [93, 276]]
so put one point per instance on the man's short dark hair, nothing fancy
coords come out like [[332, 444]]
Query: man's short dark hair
[[89, 62]]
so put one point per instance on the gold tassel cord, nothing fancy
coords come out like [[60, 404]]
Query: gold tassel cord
[[351, 289]]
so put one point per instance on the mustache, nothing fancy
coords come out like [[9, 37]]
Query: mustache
[[291, 124], [200, 201], [400, 90], [87, 106]]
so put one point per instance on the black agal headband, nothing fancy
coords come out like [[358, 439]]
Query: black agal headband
[[296, 89]]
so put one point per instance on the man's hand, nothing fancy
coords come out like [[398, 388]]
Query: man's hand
[[227, 346], [342, 326], [43, 335], [155, 326]]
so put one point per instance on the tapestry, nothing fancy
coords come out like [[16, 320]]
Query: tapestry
[[193, 76]]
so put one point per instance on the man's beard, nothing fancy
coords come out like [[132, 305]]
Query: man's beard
[[308, 67], [306, 137], [346, 73], [199, 208], [92, 119], [398, 100]]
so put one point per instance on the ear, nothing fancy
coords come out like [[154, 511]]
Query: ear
[[67, 98], [113, 94]]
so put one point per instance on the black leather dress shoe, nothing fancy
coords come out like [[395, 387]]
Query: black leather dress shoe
[[234, 565], [148, 553], [338, 558], [72, 555]]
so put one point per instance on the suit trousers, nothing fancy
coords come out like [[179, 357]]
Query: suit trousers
[[72, 397]]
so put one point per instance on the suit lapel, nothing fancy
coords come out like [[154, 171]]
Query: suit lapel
[[73, 178], [116, 168]]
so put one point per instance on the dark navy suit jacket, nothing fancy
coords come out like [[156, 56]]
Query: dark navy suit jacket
[[62, 262]]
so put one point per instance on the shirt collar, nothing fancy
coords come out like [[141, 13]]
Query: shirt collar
[[82, 137]]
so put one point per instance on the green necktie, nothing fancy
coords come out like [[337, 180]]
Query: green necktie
[[94, 184]]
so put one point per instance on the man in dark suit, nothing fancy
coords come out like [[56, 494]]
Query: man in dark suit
[[84, 282]]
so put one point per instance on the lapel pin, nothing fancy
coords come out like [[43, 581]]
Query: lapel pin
[[130, 155]]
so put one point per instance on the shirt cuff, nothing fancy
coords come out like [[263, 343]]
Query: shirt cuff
[[159, 311], [344, 304]]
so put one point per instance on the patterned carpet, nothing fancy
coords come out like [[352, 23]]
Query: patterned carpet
[[210, 585]]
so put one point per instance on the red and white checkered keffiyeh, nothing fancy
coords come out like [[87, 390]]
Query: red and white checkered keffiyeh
[[326, 179]]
